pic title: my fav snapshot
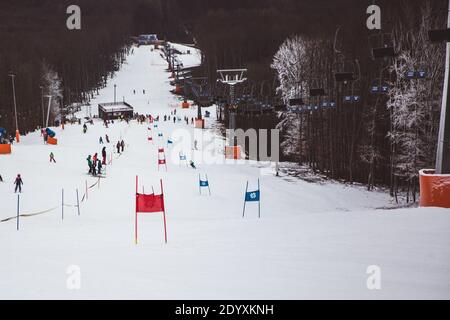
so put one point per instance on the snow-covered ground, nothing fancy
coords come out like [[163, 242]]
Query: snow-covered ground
[[312, 241]]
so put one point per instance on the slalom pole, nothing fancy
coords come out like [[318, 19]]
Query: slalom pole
[[18, 209], [86, 189], [78, 203], [259, 201], [164, 212], [208, 184], [243, 211], [135, 214], [62, 204]]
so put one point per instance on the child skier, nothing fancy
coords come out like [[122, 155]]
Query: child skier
[[107, 138], [18, 182], [192, 164], [100, 140], [52, 157], [122, 145]]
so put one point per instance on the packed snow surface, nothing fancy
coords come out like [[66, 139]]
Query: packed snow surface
[[312, 240]]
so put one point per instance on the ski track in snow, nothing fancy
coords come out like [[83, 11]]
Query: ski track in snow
[[313, 240]]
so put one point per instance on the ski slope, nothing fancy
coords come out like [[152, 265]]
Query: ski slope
[[312, 241]]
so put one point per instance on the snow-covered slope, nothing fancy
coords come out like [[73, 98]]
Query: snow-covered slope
[[312, 241]]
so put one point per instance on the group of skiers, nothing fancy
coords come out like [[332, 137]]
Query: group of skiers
[[95, 164]]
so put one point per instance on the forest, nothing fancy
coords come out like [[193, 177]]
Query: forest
[[383, 139]]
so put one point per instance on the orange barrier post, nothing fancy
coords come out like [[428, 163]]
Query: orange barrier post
[[17, 136], [52, 141], [185, 105], [434, 189], [200, 123], [5, 148], [232, 152]]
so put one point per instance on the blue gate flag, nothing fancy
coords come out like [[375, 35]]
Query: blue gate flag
[[204, 183], [182, 157], [252, 196]]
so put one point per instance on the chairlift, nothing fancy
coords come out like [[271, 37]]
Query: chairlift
[[317, 88], [296, 102], [382, 46], [353, 96], [345, 70], [416, 74]]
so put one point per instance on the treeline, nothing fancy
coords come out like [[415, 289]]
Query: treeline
[[37, 47]]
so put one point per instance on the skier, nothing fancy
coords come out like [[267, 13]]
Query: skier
[[104, 155], [134, 91], [94, 168], [89, 161], [52, 157], [94, 158], [18, 182], [192, 120], [100, 140], [84, 128], [99, 166], [195, 145], [1, 179], [118, 147], [107, 138], [174, 119], [122, 144], [192, 164]]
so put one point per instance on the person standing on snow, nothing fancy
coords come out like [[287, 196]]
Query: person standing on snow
[[104, 155], [100, 140], [118, 147], [84, 128], [99, 166], [52, 157], [89, 160], [107, 138], [94, 158], [18, 182], [122, 145]]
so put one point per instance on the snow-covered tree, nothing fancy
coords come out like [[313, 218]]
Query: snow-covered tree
[[291, 62], [52, 86]]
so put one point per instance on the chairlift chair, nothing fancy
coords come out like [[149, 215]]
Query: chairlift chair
[[382, 45]]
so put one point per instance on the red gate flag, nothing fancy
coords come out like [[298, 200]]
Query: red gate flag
[[160, 150], [147, 203], [161, 161]]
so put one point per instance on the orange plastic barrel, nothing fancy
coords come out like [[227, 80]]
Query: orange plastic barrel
[[232, 152], [185, 105], [51, 140], [5, 148], [434, 189]]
